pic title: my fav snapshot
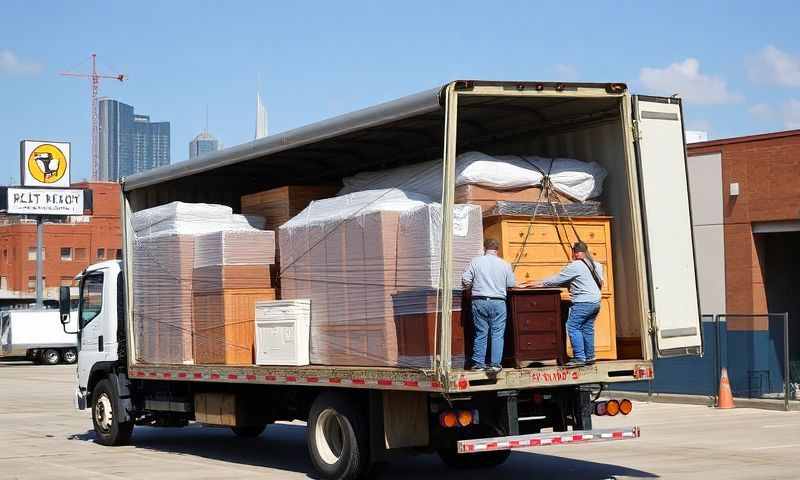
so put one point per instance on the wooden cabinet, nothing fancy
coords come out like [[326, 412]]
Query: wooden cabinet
[[542, 248], [535, 327]]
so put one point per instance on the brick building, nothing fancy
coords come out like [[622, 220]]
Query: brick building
[[69, 246]]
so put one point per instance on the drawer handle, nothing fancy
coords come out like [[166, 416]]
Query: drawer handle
[[527, 275], [521, 234]]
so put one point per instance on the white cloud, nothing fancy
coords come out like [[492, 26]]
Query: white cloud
[[773, 66], [762, 111], [566, 72], [11, 64], [688, 82], [791, 114]]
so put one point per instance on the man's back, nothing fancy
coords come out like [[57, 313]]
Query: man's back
[[490, 276]]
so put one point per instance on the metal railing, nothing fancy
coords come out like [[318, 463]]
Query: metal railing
[[718, 361]]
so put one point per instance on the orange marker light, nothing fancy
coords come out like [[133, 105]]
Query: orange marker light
[[612, 407], [448, 419], [625, 406], [464, 418]]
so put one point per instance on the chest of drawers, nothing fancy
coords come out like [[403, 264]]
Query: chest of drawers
[[535, 329], [542, 248]]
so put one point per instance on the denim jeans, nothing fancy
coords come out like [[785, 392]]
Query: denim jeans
[[580, 327], [489, 318]]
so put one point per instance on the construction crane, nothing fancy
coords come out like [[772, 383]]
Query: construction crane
[[94, 78]]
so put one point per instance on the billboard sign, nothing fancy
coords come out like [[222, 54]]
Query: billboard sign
[[45, 201], [45, 164]]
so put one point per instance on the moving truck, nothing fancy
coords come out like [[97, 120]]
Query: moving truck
[[359, 416], [38, 336]]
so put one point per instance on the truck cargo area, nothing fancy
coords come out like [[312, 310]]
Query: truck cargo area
[[587, 122]]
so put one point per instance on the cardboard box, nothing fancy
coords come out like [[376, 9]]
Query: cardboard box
[[224, 325], [486, 197]]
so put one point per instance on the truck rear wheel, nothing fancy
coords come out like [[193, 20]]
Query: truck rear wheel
[[70, 356], [51, 356], [105, 416], [337, 437]]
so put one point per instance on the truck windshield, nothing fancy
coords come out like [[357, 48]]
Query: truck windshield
[[91, 298]]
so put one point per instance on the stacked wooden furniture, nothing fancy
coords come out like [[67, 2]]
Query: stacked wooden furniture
[[540, 249], [280, 204], [535, 330]]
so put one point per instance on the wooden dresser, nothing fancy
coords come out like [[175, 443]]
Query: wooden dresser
[[544, 248], [535, 327]]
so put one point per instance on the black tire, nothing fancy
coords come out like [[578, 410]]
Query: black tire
[[249, 431], [69, 356], [464, 461], [108, 429], [337, 436], [51, 356]]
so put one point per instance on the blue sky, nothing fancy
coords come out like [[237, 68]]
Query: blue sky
[[737, 66]]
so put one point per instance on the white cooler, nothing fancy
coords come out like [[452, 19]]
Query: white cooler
[[282, 332]]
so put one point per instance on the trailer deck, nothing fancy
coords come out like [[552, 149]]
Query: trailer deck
[[458, 381]]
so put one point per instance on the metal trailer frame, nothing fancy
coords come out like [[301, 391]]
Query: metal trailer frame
[[442, 378]]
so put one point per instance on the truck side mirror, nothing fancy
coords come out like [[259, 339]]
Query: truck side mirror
[[63, 304]]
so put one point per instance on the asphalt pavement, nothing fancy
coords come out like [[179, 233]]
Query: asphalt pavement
[[42, 436]]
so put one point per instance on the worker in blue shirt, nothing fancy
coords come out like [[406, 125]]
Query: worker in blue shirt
[[584, 277], [489, 276]]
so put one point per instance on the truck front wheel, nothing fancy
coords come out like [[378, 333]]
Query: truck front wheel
[[105, 416], [70, 356], [337, 437]]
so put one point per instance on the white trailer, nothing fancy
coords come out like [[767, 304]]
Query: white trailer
[[359, 416], [39, 336]]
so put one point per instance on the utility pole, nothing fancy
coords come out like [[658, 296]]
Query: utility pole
[[94, 78]]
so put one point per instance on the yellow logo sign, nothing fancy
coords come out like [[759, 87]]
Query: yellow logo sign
[[47, 163]]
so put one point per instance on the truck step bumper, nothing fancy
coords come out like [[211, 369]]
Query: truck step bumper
[[544, 439]]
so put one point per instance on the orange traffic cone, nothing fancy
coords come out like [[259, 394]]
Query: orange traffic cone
[[725, 398]]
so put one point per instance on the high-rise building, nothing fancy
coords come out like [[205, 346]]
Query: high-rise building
[[202, 144], [130, 143]]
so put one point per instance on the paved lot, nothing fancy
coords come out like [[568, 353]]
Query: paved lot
[[43, 437]]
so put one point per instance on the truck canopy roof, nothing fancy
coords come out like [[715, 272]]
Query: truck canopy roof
[[402, 131]]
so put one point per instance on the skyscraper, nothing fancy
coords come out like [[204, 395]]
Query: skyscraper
[[130, 143], [202, 144]]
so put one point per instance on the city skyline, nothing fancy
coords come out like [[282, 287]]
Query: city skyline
[[129, 142], [203, 143]]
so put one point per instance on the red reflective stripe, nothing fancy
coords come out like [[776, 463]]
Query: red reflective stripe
[[577, 438], [251, 377], [167, 375], [232, 376], [491, 445], [198, 375], [182, 375], [411, 383], [291, 378], [215, 376], [358, 381], [470, 448], [617, 435], [435, 384], [535, 442], [514, 443], [269, 378], [556, 441], [334, 380], [312, 379], [384, 382], [140, 373]]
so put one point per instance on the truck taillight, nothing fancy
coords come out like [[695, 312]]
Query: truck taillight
[[457, 418], [625, 406], [600, 408], [612, 408], [464, 418]]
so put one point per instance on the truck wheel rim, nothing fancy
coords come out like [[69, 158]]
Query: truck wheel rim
[[103, 413], [52, 357], [329, 436], [69, 356]]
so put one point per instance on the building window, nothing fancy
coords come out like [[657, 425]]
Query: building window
[[118, 255], [3, 283], [32, 283], [101, 253], [80, 254], [66, 254], [32, 253], [5, 255], [66, 281]]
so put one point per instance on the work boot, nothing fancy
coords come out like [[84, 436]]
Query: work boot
[[575, 363]]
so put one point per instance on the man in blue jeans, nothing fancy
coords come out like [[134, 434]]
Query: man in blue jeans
[[489, 276], [585, 279]]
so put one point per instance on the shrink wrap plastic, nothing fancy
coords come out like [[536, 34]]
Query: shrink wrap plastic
[[350, 255], [179, 249], [573, 178]]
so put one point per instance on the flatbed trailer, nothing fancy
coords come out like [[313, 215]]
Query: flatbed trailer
[[360, 416]]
